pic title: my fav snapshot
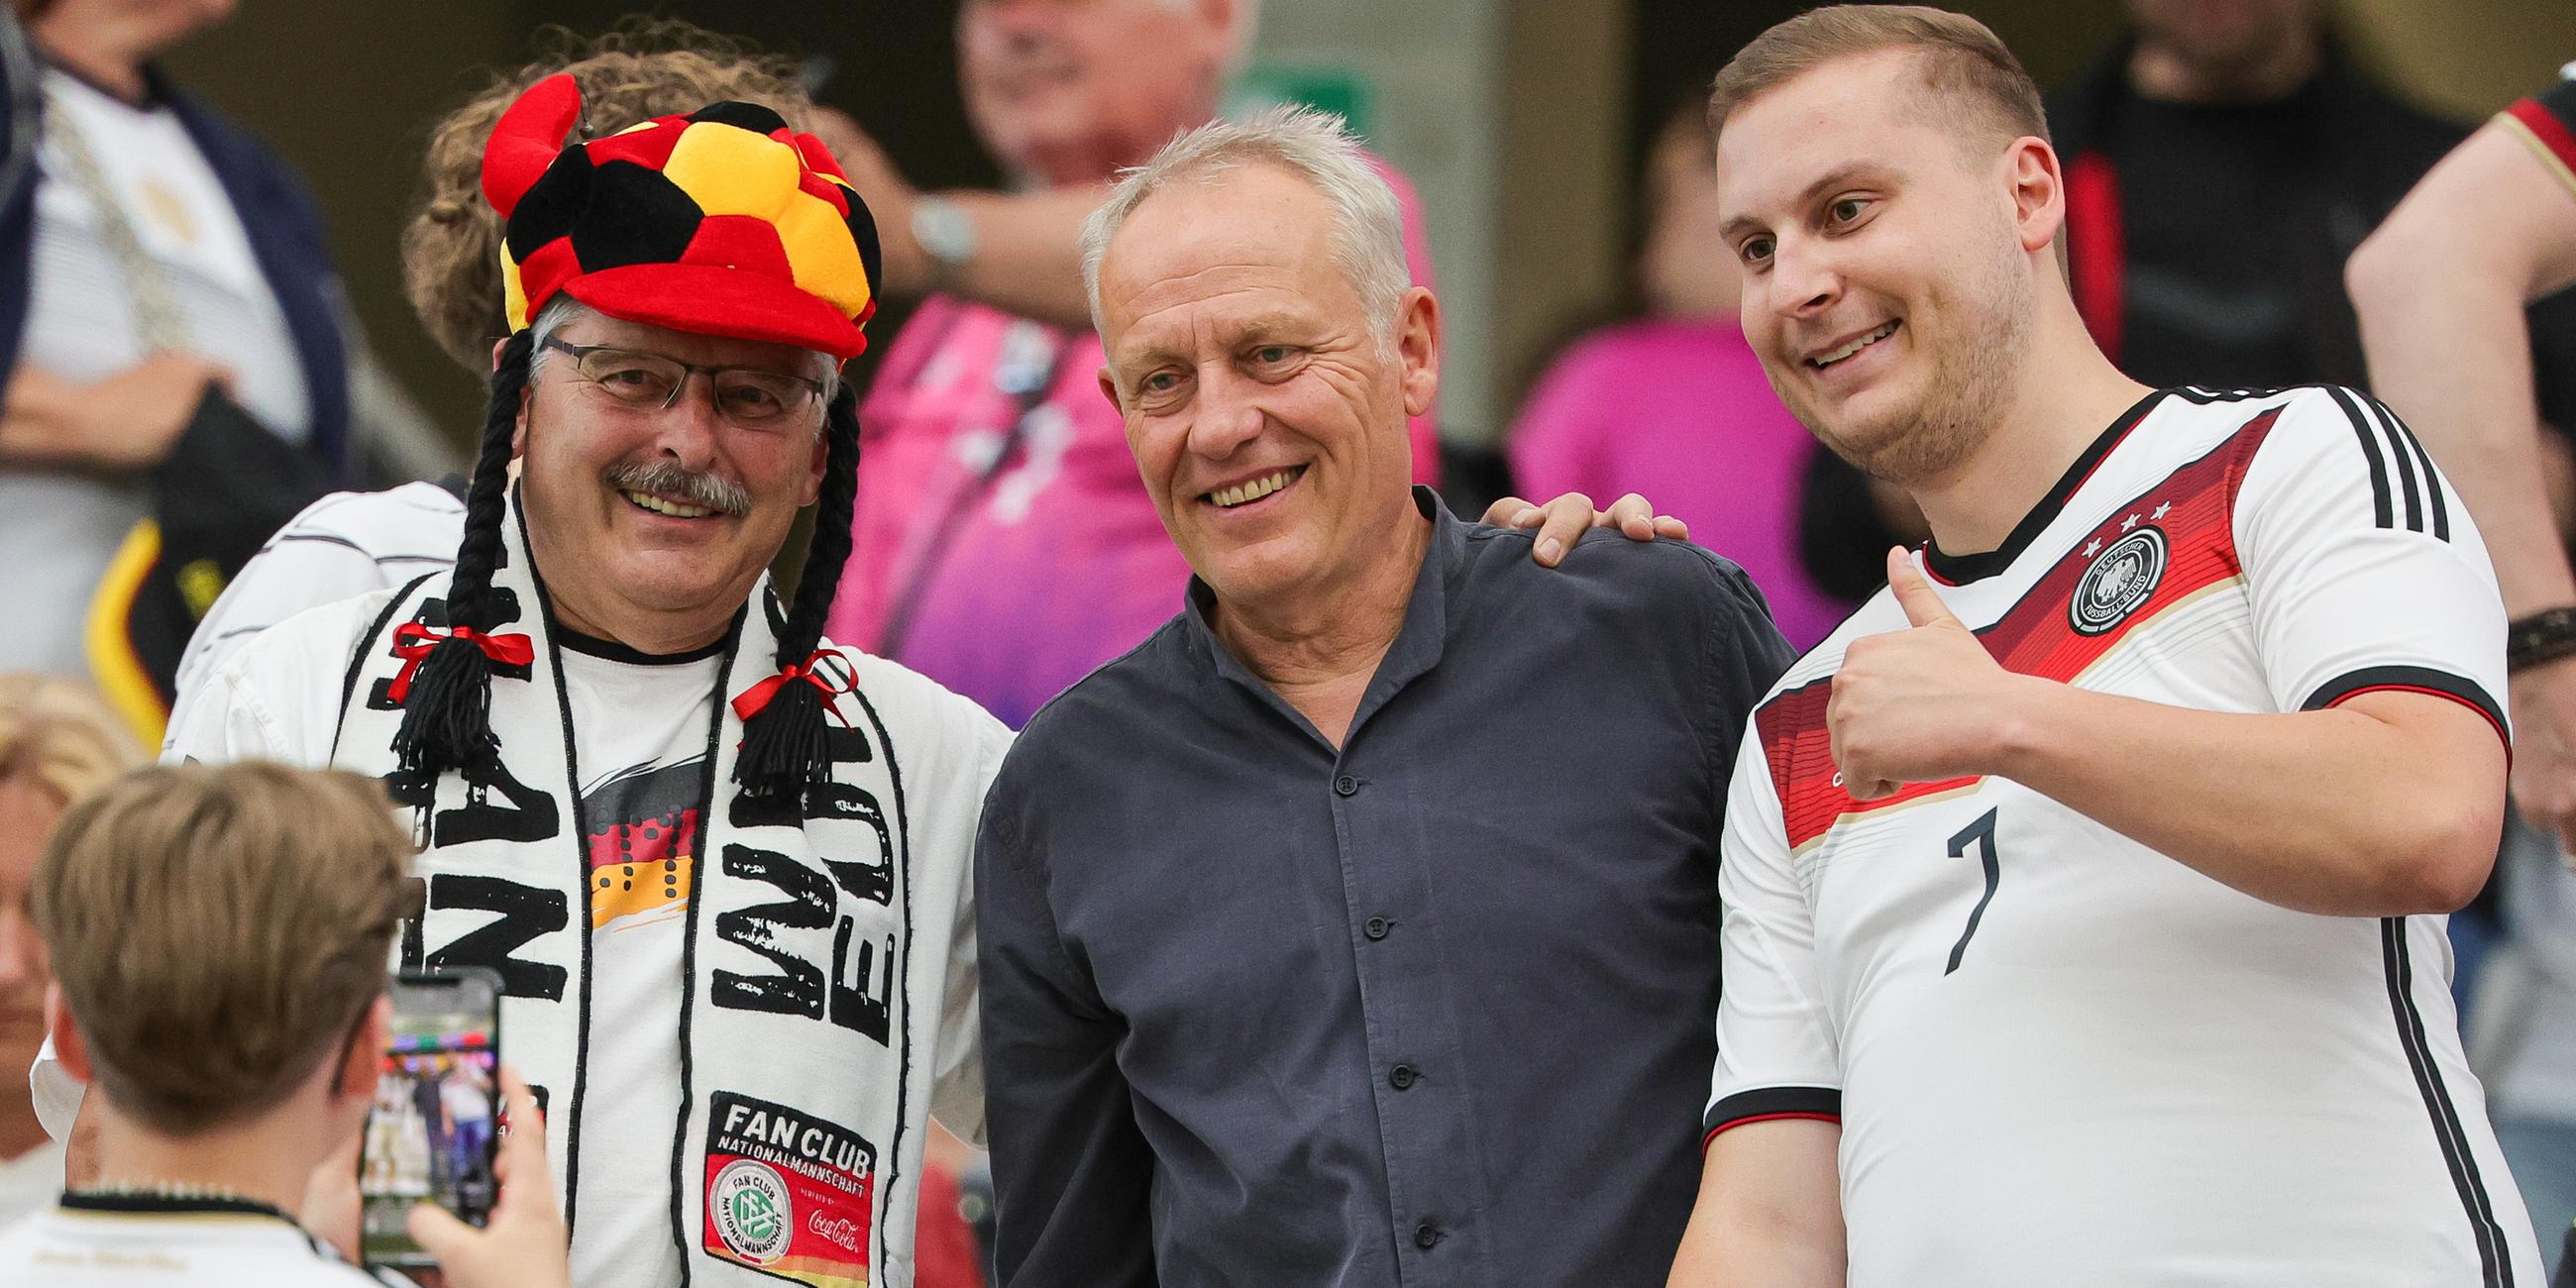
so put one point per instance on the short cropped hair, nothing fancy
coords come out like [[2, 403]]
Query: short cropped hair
[[60, 735], [1964, 65], [219, 930], [640, 69], [1368, 223]]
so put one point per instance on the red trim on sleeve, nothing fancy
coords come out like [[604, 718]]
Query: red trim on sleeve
[[2546, 127], [2501, 734], [1734, 1123]]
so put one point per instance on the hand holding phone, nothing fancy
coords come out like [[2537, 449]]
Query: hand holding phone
[[435, 1123], [523, 1244]]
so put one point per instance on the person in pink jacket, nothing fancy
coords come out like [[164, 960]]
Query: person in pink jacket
[[1674, 404], [1003, 543]]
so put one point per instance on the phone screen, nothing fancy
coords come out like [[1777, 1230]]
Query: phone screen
[[431, 1132]]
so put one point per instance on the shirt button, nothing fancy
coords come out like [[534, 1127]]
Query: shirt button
[[1403, 1076], [1425, 1235], [1375, 928], [1346, 785]]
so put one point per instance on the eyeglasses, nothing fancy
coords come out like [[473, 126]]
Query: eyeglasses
[[746, 396]]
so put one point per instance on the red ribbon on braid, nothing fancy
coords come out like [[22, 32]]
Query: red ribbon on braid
[[413, 643], [811, 671]]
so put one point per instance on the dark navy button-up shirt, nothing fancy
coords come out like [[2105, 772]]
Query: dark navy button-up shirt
[[1434, 1008]]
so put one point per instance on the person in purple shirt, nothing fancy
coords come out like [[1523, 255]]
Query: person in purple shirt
[[1676, 404]]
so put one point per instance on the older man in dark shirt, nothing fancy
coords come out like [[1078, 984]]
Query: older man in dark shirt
[[1361, 926]]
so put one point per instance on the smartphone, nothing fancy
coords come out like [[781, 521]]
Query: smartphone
[[436, 1118]]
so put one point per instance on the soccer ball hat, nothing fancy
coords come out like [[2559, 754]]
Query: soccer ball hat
[[722, 222]]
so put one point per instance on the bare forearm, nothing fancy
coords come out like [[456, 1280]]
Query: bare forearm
[[1028, 259], [34, 426], [2440, 290], [1739, 1250], [2337, 812], [1769, 1213], [2452, 355]]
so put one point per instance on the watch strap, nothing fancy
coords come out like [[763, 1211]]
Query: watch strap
[[2545, 636]]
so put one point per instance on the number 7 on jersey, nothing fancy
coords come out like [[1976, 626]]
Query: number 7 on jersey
[[1982, 835]]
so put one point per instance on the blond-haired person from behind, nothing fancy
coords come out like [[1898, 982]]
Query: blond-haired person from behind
[[218, 936], [59, 741]]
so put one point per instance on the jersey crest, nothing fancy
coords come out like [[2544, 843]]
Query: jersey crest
[[2120, 579]]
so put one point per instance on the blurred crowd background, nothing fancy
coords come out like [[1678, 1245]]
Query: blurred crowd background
[[2224, 157]]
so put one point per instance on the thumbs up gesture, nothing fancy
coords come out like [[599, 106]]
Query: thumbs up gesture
[[1922, 704]]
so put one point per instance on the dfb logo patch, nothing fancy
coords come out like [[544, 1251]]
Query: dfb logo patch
[[2121, 578], [751, 1210]]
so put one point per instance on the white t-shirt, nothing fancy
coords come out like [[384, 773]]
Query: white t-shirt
[[2058, 1056], [278, 697], [643, 761], [81, 328], [162, 1243], [31, 1181]]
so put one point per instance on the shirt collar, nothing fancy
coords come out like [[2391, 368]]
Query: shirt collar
[[1418, 644]]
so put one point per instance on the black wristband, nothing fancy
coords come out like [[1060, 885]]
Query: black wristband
[[2545, 636]]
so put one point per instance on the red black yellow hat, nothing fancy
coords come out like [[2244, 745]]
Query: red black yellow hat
[[722, 222]]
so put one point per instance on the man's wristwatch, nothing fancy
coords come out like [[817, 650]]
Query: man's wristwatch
[[946, 234], [2545, 636]]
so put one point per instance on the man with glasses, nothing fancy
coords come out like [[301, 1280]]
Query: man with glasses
[[719, 864]]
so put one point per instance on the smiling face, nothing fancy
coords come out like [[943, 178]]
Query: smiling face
[[1888, 285], [1070, 90], [1266, 417], [617, 494]]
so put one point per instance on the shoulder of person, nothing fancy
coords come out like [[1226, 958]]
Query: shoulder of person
[[918, 710], [1662, 579], [306, 657], [2307, 420], [1120, 695], [415, 519]]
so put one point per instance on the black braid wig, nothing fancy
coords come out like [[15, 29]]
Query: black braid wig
[[447, 717], [786, 751]]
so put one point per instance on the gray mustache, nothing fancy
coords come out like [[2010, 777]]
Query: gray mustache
[[662, 478]]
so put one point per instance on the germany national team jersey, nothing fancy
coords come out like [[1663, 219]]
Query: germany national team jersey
[[2547, 124], [2060, 1057]]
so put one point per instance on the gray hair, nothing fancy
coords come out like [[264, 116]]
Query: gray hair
[[563, 310], [1368, 224]]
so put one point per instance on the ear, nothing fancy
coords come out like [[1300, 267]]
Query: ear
[[1109, 390], [69, 1050], [2038, 192], [1417, 346], [365, 1059]]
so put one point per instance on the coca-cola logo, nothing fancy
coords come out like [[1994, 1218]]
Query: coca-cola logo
[[849, 1234]]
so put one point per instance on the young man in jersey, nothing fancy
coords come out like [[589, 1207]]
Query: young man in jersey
[[719, 864], [2085, 889], [242, 1042]]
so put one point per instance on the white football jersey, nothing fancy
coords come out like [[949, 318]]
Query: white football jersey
[[2058, 1056], [107, 1241]]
